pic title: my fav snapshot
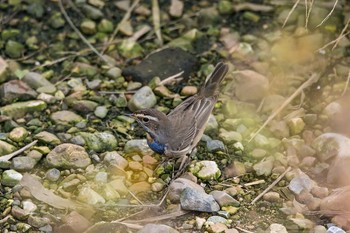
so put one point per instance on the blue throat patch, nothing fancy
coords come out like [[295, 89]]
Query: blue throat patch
[[155, 146]]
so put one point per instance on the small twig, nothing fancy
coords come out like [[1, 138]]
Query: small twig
[[306, 84], [2, 221], [346, 84], [124, 19], [82, 37], [171, 78], [271, 185], [330, 13], [308, 12], [140, 33], [254, 183], [116, 92], [290, 13], [333, 41], [156, 20], [136, 198], [17, 152], [342, 32]]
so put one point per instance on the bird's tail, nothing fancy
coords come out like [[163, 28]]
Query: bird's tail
[[212, 83]]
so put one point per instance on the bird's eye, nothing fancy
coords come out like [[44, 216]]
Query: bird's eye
[[145, 119]]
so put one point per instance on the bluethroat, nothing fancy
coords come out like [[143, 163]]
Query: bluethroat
[[177, 134]]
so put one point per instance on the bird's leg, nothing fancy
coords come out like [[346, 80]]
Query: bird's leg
[[183, 165]]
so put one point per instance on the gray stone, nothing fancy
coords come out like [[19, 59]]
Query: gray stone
[[23, 163], [100, 141], [215, 145], [29, 206], [89, 196], [212, 124], [101, 111], [11, 178], [192, 199], [230, 136], [19, 213], [143, 98], [277, 228], [53, 174], [15, 90], [47, 98], [36, 221], [250, 85], [47, 137], [157, 228], [137, 146], [68, 156], [224, 199], [264, 167], [114, 72], [36, 80], [101, 177], [156, 66], [335, 229], [217, 219], [177, 186], [65, 117], [112, 157], [300, 183], [20, 109]]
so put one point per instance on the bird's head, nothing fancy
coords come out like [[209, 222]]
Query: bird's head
[[151, 120]]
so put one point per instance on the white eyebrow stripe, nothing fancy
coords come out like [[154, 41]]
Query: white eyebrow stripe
[[149, 117]]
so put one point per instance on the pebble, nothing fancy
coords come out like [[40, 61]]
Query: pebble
[[6, 148], [215, 145], [89, 196], [18, 134], [114, 72], [101, 111], [36, 80], [192, 199], [301, 183], [212, 124], [48, 138], [135, 166], [74, 222], [250, 85], [100, 141], [273, 197], [177, 186], [119, 186], [139, 187], [38, 222], [65, 117], [137, 146], [264, 167], [15, 90], [53, 174], [19, 213], [206, 170], [113, 157], [230, 136], [68, 156], [20, 109], [142, 99], [335, 229], [11, 178], [224, 199], [189, 90], [296, 125], [23, 163], [199, 222], [101, 177], [277, 228]]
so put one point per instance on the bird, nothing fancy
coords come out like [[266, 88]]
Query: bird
[[176, 134]]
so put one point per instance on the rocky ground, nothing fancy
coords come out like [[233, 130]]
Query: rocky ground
[[275, 154]]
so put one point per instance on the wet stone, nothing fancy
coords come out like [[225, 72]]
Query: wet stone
[[156, 66], [23, 163], [68, 156], [16, 90], [192, 199], [143, 98], [53, 174], [11, 178]]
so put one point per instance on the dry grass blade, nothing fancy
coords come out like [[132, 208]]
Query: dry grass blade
[[156, 20], [306, 84], [125, 18], [346, 84], [290, 13], [308, 10], [171, 79], [271, 185], [342, 33], [17, 152], [329, 14], [71, 24]]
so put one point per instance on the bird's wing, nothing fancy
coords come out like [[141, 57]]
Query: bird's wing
[[187, 120]]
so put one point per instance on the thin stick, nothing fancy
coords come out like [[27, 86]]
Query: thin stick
[[17, 152], [80, 34], [244, 230], [290, 13], [306, 84], [346, 84], [308, 13], [334, 41], [254, 183], [134, 196], [342, 32], [125, 18], [171, 78], [271, 185], [156, 20], [116, 92], [330, 13]]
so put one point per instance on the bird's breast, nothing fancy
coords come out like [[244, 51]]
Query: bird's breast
[[155, 146]]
